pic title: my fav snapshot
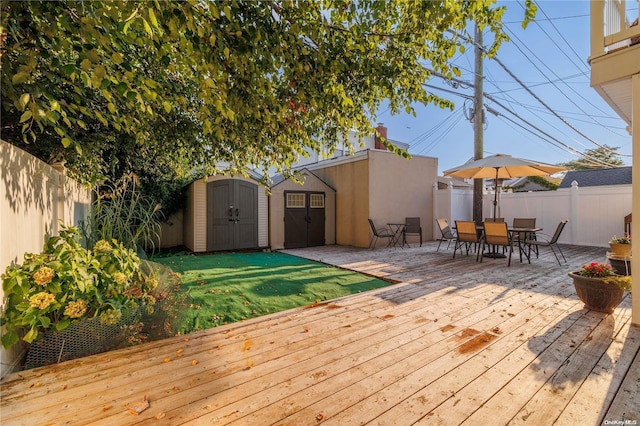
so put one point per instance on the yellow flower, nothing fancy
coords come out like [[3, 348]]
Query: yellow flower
[[76, 309], [119, 277], [110, 317], [44, 275], [102, 246], [41, 300], [151, 281]]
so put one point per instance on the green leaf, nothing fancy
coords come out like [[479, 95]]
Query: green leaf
[[167, 106], [62, 324], [69, 69], [45, 321], [152, 18], [66, 142], [9, 339], [147, 27], [25, 116], [24, 100], [86, 64], [31, 335], [20, 78], [8, 283], [121, 88], [117, 58]]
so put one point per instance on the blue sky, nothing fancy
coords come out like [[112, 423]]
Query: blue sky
[[550, 58]]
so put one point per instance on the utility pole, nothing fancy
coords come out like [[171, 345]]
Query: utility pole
[[478, 123]]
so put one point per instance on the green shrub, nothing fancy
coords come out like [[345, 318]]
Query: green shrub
[[123, 213], [67, 282]]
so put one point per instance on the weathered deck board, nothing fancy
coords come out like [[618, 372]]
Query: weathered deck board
[[455, 342]]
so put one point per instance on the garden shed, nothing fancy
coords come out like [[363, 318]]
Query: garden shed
[[302, 215], [226, 213]]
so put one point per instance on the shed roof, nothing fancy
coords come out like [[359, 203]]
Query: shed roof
[[279, 178], [598, 177]]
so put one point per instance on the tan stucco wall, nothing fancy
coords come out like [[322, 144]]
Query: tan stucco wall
[[384, 187], [276, 208], [36, 197], [402, 188], [351, 182]]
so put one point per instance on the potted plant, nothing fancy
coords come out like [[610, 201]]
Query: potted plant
[[599, 287], [621, 246]]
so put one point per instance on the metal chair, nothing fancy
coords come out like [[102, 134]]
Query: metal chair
[[521, 237], [549, 243], [445, 232], [467, 234], [496, 234], [411, 226], [379, 233]]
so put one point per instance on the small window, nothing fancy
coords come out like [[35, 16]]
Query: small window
[[295, 201], [316, 201]]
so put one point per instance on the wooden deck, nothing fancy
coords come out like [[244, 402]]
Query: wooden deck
[[454, 342]]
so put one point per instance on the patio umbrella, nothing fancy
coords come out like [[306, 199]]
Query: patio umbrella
[[501, 166]]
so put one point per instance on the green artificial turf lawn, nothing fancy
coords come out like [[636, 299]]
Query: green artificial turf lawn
[[229, 287]]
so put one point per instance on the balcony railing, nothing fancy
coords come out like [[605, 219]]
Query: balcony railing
[[614, 25]]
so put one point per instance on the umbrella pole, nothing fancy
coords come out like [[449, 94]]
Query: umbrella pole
[[495, 197]]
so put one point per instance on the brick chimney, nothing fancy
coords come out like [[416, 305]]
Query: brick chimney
[[382, 131]]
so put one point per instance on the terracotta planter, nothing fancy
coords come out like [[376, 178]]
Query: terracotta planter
[[620, 249], [596, 294]]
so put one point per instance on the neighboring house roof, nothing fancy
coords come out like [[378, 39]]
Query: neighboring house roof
[[525, 184], [598, 177], [443, 183]]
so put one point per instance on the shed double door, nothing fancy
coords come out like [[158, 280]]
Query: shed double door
[[304, 219], [232, 215]]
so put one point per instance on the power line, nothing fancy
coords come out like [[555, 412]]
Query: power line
[[508, 71], [569, 45], [557, 18], [556, 142], [451, 121], [558, 77]]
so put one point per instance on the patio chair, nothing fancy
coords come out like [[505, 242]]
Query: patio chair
[[521, 237], [496, 234], [411, 226], [467, 234], [494, 219], [549, 243], [379, 233], [445, 232]]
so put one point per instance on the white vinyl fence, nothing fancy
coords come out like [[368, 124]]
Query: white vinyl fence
[[35, 197], [595, 214]]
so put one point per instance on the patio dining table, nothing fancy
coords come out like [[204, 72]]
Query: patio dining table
[[512, 230], [396, 230], [526, 231]]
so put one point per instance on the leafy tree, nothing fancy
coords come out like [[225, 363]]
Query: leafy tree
[[596, 158], [184, 84]]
